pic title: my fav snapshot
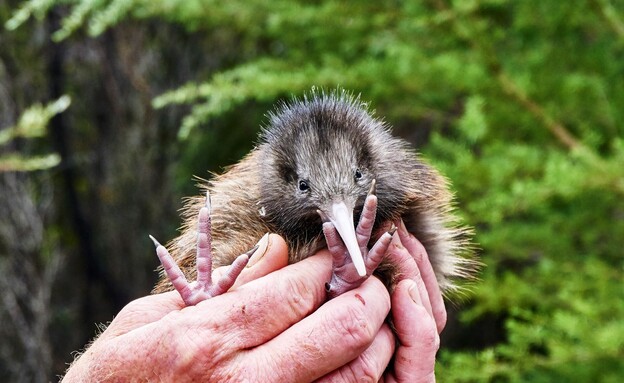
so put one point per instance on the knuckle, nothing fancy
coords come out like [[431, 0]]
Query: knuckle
[[186, 352], [429, 337], [355, 373], [365, 370], [258, 370], [354, 325], [296, 294], [440, 316], [130, 309]]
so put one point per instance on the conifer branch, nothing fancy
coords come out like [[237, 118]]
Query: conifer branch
[[555, 127], [609, 14]]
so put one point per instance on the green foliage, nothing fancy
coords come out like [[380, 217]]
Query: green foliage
[[36, 8], [521, 105], [575, 333], [32, 124]]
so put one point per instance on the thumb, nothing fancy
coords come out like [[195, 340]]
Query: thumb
[[271, 255]]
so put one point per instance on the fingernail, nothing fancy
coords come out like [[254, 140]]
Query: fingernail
[[263, 245], [208, 202], [373, 188], [393, 229], [156, 243], [413, 292]]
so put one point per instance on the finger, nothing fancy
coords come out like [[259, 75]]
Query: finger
[[143, 311], [407, 268], [417, 336], [261, 309], [329, 338], [418, 252], [271, 255], [370, 365]]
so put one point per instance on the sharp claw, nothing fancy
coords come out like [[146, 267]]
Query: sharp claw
[[251, 251], [373, 188], [324, 216], [208, 202], [392, 230], [156, 243]]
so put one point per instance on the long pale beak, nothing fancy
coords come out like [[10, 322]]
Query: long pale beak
[[342, 218]]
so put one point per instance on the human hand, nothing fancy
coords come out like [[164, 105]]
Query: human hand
[[417, 325], [269, 329], [247, 333], [419, 316]]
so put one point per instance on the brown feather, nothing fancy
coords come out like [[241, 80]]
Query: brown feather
[[324, 138]]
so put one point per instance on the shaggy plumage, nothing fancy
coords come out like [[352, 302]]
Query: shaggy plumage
[[315, 151]]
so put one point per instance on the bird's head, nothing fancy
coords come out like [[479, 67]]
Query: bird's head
[[320, 158]]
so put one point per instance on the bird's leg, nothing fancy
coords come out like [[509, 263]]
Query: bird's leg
[[202, 289], [345, 276]]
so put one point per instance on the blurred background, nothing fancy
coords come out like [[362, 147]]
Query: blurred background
[[109, 108]]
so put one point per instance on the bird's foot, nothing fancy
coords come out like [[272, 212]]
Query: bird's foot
[[203, 288], [345, 277]]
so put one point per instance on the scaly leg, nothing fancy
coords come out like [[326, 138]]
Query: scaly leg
[[202, 289], [345, 276]]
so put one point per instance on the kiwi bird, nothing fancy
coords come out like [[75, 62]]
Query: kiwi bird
[[325, 173]]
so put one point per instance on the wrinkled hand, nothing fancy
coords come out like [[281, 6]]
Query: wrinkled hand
[[273, 326]]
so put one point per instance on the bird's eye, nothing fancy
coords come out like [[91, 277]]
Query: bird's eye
[[303, 185], [358, 174]]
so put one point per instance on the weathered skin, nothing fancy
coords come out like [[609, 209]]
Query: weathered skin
[[270, 315]]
